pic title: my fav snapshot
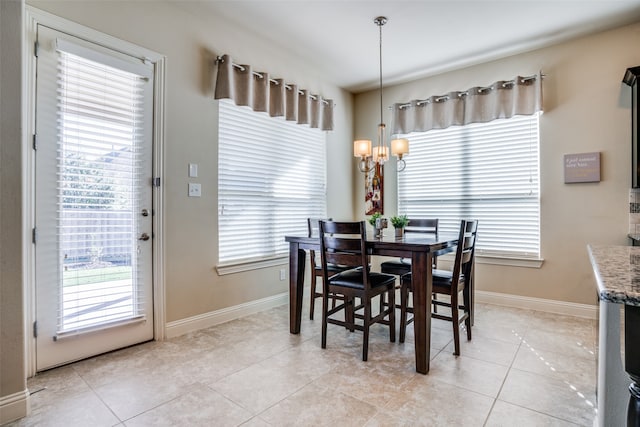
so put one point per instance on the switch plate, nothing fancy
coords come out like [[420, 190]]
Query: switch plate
[[194, 189], [193, 170], [282, 274]]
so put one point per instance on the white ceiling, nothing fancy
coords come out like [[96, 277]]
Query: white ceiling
[[421, 38]]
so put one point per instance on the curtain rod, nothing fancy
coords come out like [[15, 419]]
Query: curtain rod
[[261, 76], [466, 93]]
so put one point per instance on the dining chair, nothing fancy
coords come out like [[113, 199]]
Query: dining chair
[[316, 266], [449, 283], [344, 243]]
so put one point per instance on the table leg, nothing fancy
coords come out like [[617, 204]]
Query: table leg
[[421, 282], [297, 258]]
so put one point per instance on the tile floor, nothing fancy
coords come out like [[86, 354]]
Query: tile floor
[[522, 368]]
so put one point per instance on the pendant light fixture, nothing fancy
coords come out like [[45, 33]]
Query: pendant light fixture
[[380, 153]]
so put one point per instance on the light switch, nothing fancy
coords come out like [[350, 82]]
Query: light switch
[[193, 170], [194, 189]]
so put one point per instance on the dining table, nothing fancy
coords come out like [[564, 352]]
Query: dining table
[[419, 247]]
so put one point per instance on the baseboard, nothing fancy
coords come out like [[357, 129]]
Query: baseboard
[[14, 406], [539, 304], [206, 320]]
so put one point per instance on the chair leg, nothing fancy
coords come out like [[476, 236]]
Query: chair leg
[[404, 302], [349, 312], [325, 309], [312, 304], [467, 308], [456, 324], [367, 324], [392, 314]]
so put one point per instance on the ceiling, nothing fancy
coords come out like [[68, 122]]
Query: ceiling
[[421, 38]]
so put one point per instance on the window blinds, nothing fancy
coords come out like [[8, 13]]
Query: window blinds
[[271, 178], [486, 171], [100, 123]]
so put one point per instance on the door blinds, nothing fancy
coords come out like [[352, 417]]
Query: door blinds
[[100, 125]]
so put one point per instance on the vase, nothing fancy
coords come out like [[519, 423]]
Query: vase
[[399, 232]]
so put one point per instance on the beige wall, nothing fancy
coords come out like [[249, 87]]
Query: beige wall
[[12, 341], [586, 108], [189, 42]]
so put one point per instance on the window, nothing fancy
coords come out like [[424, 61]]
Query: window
[[271, 178], [485, 171]]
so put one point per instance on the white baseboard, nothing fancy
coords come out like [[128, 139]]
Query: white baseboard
[[539, 304], [206, 320], [14, 406]]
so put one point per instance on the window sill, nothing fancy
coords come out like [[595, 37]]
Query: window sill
[[239, 267], [512, 261], [505, 260]]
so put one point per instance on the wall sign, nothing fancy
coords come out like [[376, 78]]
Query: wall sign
[[583, 167]]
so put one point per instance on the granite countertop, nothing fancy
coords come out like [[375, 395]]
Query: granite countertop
[[617, 272]]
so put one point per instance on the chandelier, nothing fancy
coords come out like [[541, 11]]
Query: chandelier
[[380, 153]]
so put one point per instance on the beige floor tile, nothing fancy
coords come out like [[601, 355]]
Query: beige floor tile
[[487, 349], [425, 401], [200, 406], [141, 391], [552, 396], [253, 372], [261, 385], [374, 381], [56, 384], [575, 369], [563, 324], [569, 344], [503, 415], [79, 410], [256, 422], [382, 419], [471, 374], [318, 406]]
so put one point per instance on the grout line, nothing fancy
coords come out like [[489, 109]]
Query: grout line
[[505, 378]]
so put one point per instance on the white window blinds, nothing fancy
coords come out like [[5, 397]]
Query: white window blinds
[[485, 171], [101, 120], [271, 178]]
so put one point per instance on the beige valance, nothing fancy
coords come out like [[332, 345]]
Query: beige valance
[[502, 99], [273, 96]]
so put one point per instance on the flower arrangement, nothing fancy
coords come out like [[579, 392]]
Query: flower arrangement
[[399, 221], [374, 217]]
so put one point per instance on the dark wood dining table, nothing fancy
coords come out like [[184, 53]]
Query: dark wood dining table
[[419, 247]]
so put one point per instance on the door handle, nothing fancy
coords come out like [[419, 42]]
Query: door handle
[[144, 236]]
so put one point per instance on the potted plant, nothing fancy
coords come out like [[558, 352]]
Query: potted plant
[[399, 223], [378, 223]]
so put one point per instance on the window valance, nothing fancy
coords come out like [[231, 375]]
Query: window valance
[[273, 96], [503, 99]]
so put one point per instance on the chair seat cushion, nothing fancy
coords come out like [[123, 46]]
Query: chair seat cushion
[[398, 268], [353, 279], [333, 267], [440, 277]]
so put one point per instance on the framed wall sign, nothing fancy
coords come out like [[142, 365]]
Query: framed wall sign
[[582, 167]]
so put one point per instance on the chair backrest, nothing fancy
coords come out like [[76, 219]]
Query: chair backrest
[[344, 243], [313, 230], [422, 225], [465, 250]]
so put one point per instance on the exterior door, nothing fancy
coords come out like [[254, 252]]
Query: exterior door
[[93, 199]]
